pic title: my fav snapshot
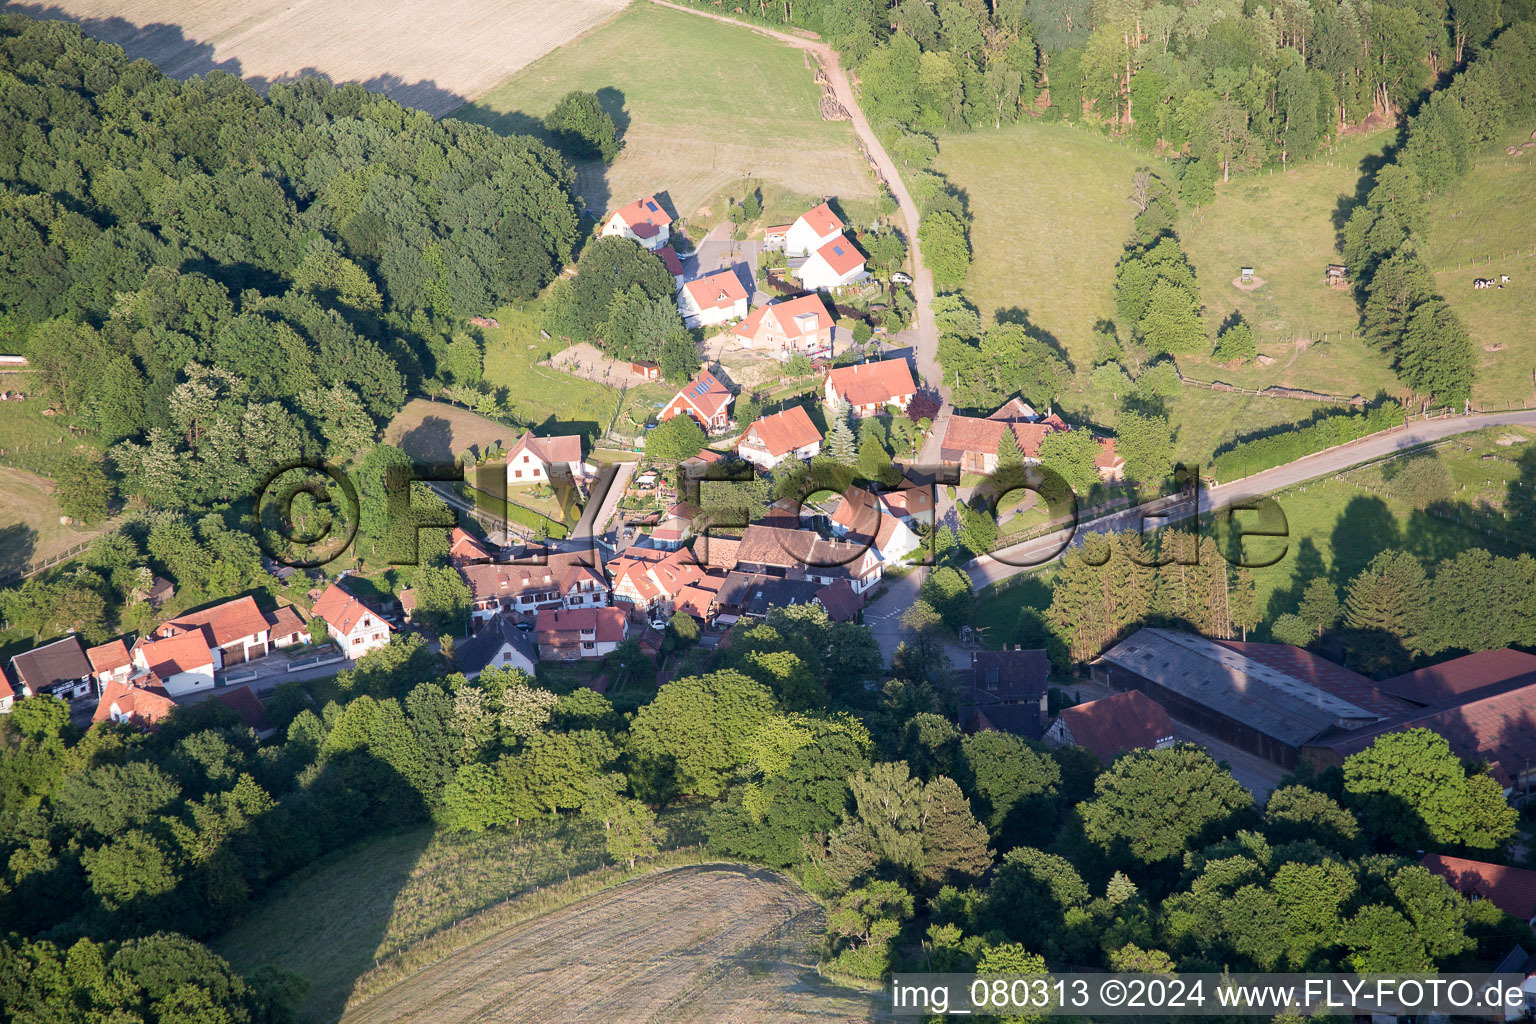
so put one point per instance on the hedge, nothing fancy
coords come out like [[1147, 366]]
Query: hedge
[[536, 521], [1261, 453]]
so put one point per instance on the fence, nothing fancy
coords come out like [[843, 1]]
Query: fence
[[33, 568], [1273, 391]]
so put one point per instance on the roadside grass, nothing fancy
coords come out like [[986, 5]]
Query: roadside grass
[[701, 107], [997, 608], [1282, 225], [552, 401], [1051, 215], [333, 922]]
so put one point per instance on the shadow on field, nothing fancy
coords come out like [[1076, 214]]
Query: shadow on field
[[18, 542], [178, 56]]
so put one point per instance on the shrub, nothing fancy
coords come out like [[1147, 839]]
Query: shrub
[[1261, 453]]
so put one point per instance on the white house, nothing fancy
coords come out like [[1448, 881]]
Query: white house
[[770, 440], [704, 398], [236, 631], [869, 387], [183, 662], [862, 517], [540, 460], [811, 230], [642, 221], [110, 663], [713, 299], [835, 264], [356, 628], [783, 329]]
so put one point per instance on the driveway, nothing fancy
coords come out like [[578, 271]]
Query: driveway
[[883, 617]]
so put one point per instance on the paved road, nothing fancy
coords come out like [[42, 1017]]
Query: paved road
[[990, 569], [595, 524]]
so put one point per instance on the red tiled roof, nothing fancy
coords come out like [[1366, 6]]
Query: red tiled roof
[[285, 622], [1460, 676], [695, 600], [1015, 410], [1512, 890], [822, 220], [705, 394], [183, 652], [607, 623], [510, 579], [669, 257], [974, 434], [874, 383], [644, 216], [244, 703], [108, 656], [462, 545], [859, 511], [223, 623], [143, 706], [341, 610], [785, 431], [839, 600], [720, 290], [1321, 673], [909, 500], [563, 448], [717, 552], [1107, 458], [841, 255], [786, 316], [1111, 725]]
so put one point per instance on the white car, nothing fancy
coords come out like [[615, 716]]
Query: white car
[[659, 625], [901, 278]]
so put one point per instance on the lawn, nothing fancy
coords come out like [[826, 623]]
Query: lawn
[[1052, 212], [331, 923], [552, 401], [701, 106], [1481, 228]]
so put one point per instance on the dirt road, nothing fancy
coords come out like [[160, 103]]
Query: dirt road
[[712, 943]]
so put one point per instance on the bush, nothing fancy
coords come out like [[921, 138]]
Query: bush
[[1249, 457], [1235, 345]]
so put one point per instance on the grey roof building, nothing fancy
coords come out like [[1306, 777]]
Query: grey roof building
[[1257, 705]]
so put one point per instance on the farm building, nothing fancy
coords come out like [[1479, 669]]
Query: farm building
[[643, 221], [792, 327], [1512, 890], [770, 440], [704, 398], [1483, 673], [713, 299], [869, 387], [1113, 725], [1268, 699]]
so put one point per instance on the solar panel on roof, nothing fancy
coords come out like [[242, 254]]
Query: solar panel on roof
[[837, 249], [650, 205]]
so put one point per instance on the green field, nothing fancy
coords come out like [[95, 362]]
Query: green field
[[1481, 227], [701, 106], [336, 920]]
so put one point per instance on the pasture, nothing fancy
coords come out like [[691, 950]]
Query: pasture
[[433, 58], [701, 106], [713, 942], [354, 908], [1481, 228]]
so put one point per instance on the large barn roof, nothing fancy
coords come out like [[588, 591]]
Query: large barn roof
[[1265, 698]]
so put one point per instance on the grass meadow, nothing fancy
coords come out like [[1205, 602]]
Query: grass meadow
[[1482, 228], [701, 106]]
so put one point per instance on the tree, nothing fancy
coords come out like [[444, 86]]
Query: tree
[[1072, 454], [1291, 629], [1013, 787], [82, 489], [1297, 814], [584, 129], [1151, 804], [1235, 343], [1146, 444], [1411, 789], [1384, 612], [679, 360], [946, 250], [1320, 608], [1242, 602], [948, 591], [675, 439], [701, 727], [632, 832], [978, 529], [954, 843], [1435, 357]]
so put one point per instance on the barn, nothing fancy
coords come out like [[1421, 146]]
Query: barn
[[1268, 699]]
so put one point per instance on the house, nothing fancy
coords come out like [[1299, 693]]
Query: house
[[1512, 890], [834, 265], [696, 467], [235, 631], [755, 594], [7, 695], [138, 705], [839, 601], [1113, 725], [862, 518], [643, 221], [248, 706], [673, 264], [285, 627], [704, 398], [59, 669], [869, 387], [110, 663], [701, 598], [674, 527], [1109, 463], [788, 434], [805, 555], [584, 633], [713, 299], [499, 644], [179, 663], [1018, 676], [463, 549], [650, 578], [787, 328], [356, 628], [542, 460], [1015, 410], [161, 590], [1271, 700], [971, 441], [810, 231], [911, 502], [562, 579]]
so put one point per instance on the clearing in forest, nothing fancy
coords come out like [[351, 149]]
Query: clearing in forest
[[717, 942], [434, 57], [701, 106]]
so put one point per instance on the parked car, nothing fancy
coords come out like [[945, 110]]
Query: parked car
[[525, 627], [659, 625], [901, 278]]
